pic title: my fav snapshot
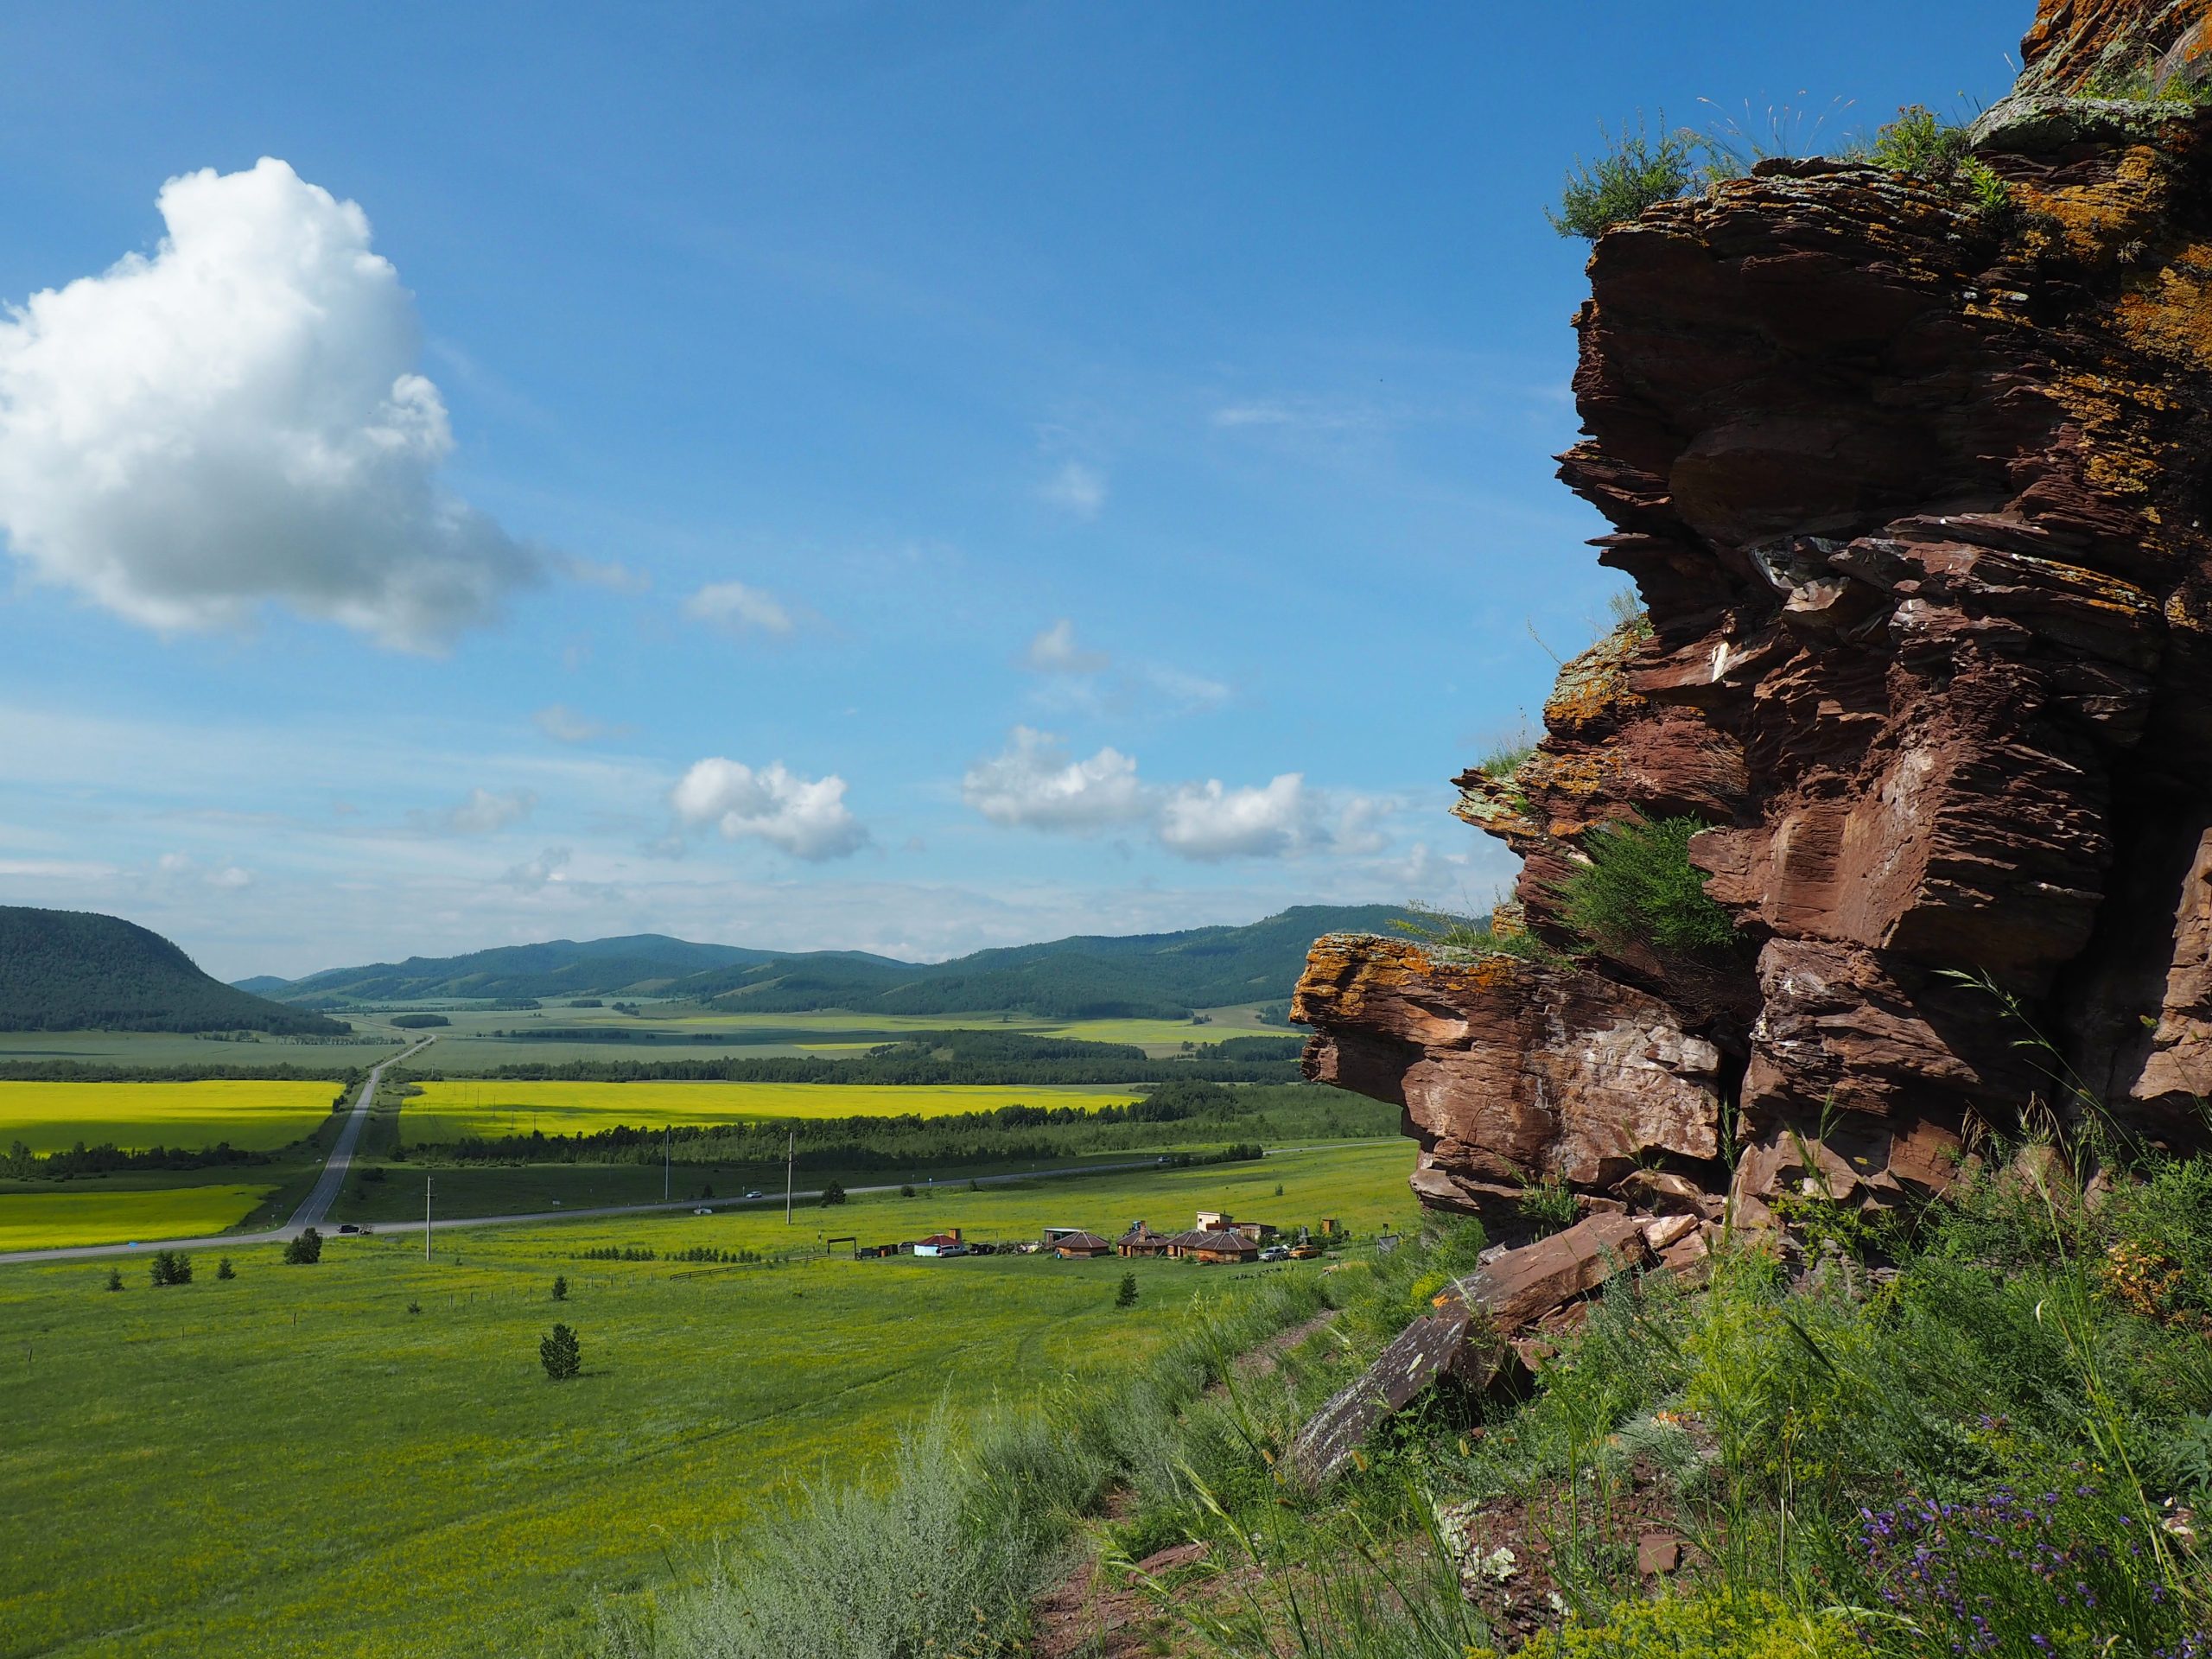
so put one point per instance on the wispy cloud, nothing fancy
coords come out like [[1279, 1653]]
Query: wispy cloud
[[1076, 488], [1054, 650], [566, 725], [736, 608]]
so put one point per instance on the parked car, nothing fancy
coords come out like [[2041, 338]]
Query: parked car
[[702, 1210], [1275, 1253], [756, 1193], [349, 1227]]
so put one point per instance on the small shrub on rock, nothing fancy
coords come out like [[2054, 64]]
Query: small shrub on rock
[[1636, 171]]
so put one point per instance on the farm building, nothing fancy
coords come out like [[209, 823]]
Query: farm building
[[1213, 1245], [941, 1244], [1140, 1240], [1220, 1221], [1074, 1244]]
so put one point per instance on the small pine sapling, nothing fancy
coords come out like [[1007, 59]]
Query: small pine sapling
[[224, 1270], [560, 1287], [115, 1278], [560, 1354], [1127, 1295]]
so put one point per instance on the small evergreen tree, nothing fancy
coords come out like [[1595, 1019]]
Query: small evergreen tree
[[305, 1250], [833, 1193], [170, 1267], [560, 1354], [1127, 1295], [560, 1287], [224, 1270], [115, 1278]]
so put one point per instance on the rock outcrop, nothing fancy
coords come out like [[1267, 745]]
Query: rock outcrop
[[1911, 475]]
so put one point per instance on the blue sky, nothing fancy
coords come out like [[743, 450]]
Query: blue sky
[[896, 477]]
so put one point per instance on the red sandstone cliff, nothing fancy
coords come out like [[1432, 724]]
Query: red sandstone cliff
[[1914, 495]]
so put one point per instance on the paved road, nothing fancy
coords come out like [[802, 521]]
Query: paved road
[[316, 1205], [352, 1132]]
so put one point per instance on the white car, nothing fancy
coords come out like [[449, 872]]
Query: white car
[[756, 1193], [1275, 1253], [702, 1210]]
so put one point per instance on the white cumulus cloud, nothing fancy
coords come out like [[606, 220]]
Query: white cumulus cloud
[[1036, 783], [1208, 822], [807, 817], [1055, 651], [236, 421], [733, 606]]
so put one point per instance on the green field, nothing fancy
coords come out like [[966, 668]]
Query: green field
[[448, 1111], [253, 1116], [657, 1030], [292, 1461]]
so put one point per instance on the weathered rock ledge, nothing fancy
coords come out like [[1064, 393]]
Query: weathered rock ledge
[[1913, 494]]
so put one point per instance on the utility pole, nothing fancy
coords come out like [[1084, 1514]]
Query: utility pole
[[426, 1220], [789, 1154], [666, 1154]]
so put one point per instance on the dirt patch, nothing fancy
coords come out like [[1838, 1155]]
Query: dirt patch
[[1096, 1614], [1509, 1548]]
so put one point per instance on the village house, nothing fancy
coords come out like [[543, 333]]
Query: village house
[[1140, 1240], [947, 1244], [1213, 1245], [1072, 1245]]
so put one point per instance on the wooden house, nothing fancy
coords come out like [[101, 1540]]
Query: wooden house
[[1140, 1240], [1070, 1245]]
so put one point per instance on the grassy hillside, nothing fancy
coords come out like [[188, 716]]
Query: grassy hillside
[[1144, 976], [436, 1493], [72, 970]]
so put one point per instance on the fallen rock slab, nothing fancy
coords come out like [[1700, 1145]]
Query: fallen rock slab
[[1417, 1356], [1521, 1286]]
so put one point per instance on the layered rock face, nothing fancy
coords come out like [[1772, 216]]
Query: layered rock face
[[1912, 485]]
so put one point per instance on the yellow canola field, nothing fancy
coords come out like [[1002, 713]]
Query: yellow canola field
[[458, 1107], [253, 1116], [37, 1221]]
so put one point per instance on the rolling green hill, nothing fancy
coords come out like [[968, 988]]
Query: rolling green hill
[[1150, 976], [72, 970]]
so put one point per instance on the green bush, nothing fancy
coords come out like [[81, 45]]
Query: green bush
[[224, 1270], [170, 1267], [1547, 1205], [115, 1279], [560, 1287], [1640, 888], [1127, 1295], [1636, 171], [1706, 1626], [304, 1250]]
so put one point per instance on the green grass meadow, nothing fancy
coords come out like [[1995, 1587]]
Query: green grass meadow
[[293, 1461]]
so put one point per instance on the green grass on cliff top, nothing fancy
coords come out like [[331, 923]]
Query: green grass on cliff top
[[291, 1461]]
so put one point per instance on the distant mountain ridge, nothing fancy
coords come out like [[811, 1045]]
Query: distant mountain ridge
[[75, 971], [1151, 975]]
